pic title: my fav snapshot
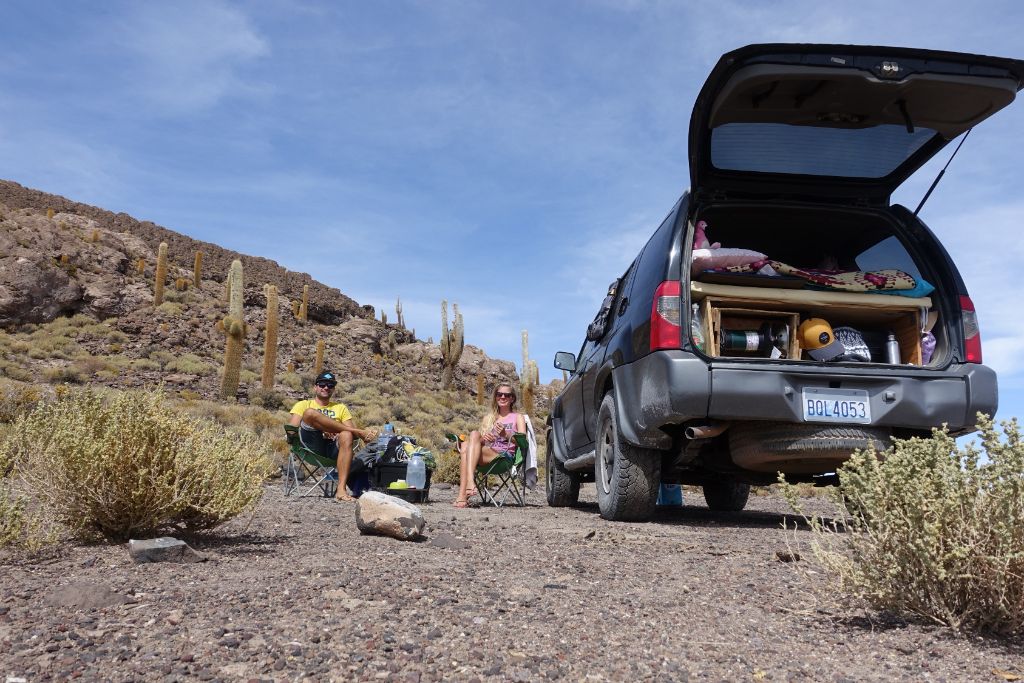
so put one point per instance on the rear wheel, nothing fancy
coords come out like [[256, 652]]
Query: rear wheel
[[726, 496], [563, 487], [627, 476]]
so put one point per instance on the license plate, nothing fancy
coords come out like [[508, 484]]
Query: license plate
[[836, 405]]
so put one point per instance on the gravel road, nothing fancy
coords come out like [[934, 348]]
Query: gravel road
[[514, 594]]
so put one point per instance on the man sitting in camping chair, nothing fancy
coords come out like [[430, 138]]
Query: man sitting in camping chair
[[326, 428]]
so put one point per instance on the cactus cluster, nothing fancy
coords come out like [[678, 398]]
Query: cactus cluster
[[270, 339], [452, 343], [161, 274], [49, 213], [181, 284], [140, 266], [384, 317], [235, 330]]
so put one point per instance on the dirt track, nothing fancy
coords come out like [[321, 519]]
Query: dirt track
[[516, 594]]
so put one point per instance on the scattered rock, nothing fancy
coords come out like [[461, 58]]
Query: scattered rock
[[380, 514], [163, 549], [787, 556], [85, 596], [443, 539]]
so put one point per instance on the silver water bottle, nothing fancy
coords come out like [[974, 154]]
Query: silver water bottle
[[892, 350]]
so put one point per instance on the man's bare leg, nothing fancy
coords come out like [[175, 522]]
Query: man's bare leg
[[344, 464]]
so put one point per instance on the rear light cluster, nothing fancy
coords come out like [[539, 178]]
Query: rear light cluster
[[972, 333], [666, 317]]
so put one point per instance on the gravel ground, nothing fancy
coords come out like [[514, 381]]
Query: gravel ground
[[514, 594]]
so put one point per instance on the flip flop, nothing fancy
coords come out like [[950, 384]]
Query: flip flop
[[461, 504]]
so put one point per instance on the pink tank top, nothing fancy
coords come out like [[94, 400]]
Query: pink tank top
[[505, 444]]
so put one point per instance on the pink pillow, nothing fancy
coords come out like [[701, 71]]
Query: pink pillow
[[708, 259]]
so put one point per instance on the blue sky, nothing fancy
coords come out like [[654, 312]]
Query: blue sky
[[512, 156]]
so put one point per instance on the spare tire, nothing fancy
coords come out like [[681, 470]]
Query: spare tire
[[800, 448]]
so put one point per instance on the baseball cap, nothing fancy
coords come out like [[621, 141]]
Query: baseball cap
[[818, 340], [326, 377]]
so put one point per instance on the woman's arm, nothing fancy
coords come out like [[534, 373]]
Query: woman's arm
[[520, 423]]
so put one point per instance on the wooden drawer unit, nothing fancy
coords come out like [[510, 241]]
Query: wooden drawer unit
[[735, 308]]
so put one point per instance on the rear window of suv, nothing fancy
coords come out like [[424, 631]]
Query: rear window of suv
[[873, 152]]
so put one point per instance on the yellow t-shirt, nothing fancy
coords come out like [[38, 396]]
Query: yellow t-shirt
[[335, 411]]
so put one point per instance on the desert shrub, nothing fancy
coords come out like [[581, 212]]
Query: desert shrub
[[144, 364], [935, 530], [247, 376], [16, 400], [65, 374], [14, 371], [448, 463], [170, 308], [189, 364], [133, 465], [265, 398], [292, 381]]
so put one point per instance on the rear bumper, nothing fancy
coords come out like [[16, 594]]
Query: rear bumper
[[669, 388]]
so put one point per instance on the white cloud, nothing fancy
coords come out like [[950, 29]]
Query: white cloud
[[188, 55]]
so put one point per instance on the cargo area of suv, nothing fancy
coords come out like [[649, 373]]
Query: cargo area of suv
[[785, 313]]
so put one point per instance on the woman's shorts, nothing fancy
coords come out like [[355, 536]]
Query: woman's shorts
[[314, 440]]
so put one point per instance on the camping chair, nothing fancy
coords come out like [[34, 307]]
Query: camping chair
[[307, 471], [508, 469]]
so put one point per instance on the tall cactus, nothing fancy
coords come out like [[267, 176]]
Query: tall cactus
[[480, 398], [270, 342], [398, 313], [318, 364], [392, 344], [526, 354], [197, 270], [384, 317], [452, 344], [140, 266], [235, 330], [161, 274], [304, 306]]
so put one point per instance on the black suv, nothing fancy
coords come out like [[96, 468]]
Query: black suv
[[828, 319]]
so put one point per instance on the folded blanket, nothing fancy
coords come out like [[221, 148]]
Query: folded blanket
[[847, 281]]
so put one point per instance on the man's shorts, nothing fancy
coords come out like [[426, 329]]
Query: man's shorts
[[314, 440]]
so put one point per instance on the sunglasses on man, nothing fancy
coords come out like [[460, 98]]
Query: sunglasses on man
[[326, 385]]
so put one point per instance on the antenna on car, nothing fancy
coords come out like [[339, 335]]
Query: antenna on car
[[939, 176]]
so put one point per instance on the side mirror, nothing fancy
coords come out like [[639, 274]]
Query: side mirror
[[565, 361]]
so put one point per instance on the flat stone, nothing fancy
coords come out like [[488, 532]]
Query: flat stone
[[82, 595], [163, 549], [447, 541]]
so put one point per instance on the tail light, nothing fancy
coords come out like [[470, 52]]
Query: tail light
[[972, 333], [666, 318]]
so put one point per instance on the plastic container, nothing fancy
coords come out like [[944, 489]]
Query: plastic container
[[670, 495], [386, 434], [416, 474]]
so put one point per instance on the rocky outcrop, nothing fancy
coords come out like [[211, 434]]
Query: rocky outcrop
[[326, 304]]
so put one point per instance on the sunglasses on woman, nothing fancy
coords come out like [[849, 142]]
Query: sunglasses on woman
[[503, 394]]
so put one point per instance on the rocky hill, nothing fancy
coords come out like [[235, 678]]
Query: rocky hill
[[77, 307]]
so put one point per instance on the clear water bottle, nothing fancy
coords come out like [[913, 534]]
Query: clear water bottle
[[416, 473], [386, 434]]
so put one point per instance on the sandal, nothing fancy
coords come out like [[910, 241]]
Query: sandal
[[471, 492], [461, 504]]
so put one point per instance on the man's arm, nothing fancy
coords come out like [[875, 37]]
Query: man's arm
[[294, 420]]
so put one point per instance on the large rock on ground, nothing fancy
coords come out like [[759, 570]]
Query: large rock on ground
[[384, 515]]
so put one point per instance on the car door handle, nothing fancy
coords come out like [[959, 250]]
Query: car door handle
[[624, 305]]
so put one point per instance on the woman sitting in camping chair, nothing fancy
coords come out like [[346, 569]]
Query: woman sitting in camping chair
[[492, 440]]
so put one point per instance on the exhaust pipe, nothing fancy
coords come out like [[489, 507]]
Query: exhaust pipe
[[705, 431]]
